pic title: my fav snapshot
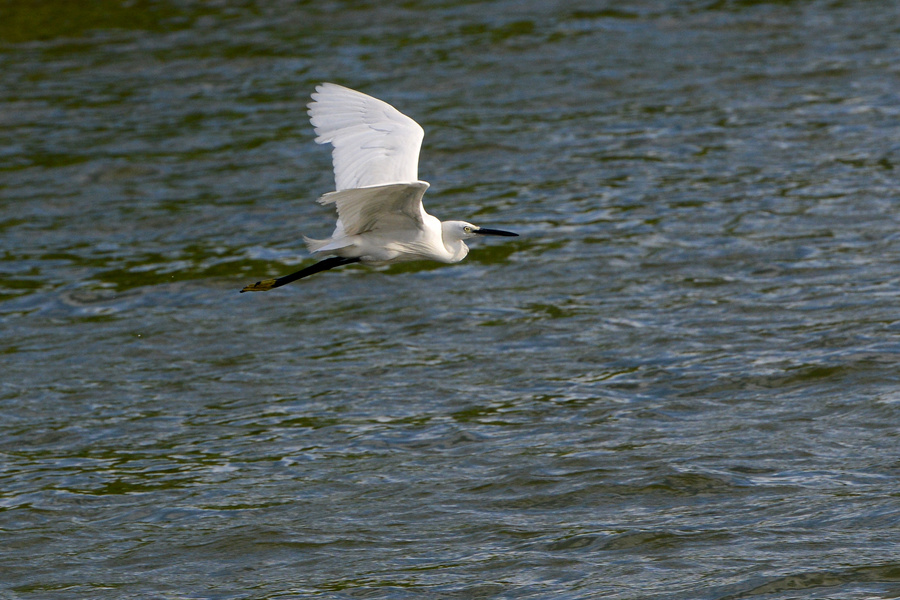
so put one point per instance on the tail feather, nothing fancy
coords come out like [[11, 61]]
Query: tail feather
[[314, 245], [326, 245]]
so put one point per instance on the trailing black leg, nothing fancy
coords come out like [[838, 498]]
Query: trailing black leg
[[328, 263]]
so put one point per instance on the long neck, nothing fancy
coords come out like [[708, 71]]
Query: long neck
[[456, 249]]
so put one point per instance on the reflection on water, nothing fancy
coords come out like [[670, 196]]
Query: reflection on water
[[680, 381]]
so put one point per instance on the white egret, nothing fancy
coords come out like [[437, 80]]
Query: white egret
[[377, 194]]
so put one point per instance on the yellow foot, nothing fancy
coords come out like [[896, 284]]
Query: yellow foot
[[260, 286]]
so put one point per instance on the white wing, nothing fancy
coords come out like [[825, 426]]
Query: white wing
[[394, 207], [374, 143]]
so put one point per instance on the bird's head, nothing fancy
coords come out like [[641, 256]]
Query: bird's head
[[461, 230]]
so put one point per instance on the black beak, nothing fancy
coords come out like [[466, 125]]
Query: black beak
[[486, 231]]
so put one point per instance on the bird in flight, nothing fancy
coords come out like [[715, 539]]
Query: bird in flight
[[378, 195]]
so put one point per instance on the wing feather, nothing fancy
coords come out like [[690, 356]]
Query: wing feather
[[386, 207], [374, 143]]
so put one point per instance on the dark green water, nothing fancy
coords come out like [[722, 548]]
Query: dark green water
[[681, 381]]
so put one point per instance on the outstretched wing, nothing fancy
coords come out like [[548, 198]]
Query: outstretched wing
[[374, 143], [394, 207]]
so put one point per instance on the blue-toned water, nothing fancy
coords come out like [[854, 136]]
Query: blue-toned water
[[681, 381]]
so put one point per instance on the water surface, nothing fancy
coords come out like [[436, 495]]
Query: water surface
[[680, 381]]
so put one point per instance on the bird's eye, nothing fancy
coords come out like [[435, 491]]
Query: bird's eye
[[467, 229]]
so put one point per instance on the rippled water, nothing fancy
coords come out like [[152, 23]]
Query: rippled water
[[680, 382]]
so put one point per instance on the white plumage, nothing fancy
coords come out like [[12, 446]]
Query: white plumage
[[378, 195], [374, 143]]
